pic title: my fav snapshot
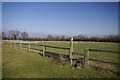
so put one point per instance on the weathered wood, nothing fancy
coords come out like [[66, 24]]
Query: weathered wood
[[43, 50], [69, 57], [96, 50], [29, 47], [54, 47], [58, 47], [96, 60], [86, 58], [20, 45], [10, 44], [14, 44], [71, 50], [45, 47]]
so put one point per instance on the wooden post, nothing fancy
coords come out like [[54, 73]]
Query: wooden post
[[20, 45], [43, 50], [10, 44], [29, 47], [71, 50], [86, 58], [14, 44]]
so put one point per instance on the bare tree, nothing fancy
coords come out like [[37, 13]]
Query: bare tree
[[24, 35], [50, 36], [81, 36], [62, 37], [14, 34]]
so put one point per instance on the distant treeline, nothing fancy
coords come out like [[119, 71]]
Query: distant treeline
[[17, 35]]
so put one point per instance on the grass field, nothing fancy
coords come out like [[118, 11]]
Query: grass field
[[18, 63]]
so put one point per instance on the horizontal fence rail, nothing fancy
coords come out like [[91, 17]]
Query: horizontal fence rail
[[54, 47], [96, 50], [113, 63], [57, 47]]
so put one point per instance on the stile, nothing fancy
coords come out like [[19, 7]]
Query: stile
[[86, 58], [71, 50]]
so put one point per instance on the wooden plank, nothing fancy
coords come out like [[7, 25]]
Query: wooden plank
[[53, 47], [113, 63], [37, 45], [57, 47], [96, 50]]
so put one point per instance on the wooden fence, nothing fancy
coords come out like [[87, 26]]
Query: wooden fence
[[85, 55], [102, 61], [44, 47]]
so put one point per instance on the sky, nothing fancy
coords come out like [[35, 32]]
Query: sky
[[62, 18]]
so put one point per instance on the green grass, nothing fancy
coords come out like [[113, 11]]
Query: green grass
[[18, 63]]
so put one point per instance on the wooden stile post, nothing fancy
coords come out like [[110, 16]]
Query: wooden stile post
[[14, 44], [86, 58], [20, 45], [43, 50], [10, 44], [29, 47], [71, 50]]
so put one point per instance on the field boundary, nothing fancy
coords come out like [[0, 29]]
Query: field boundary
[[106, 51], [43, 52]]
